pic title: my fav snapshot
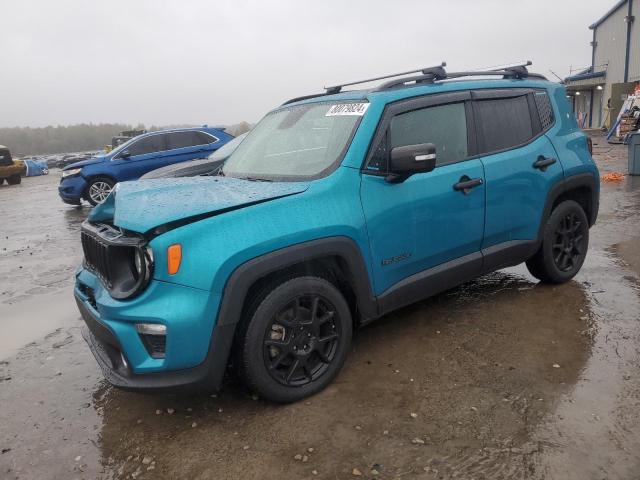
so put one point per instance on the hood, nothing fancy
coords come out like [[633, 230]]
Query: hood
[[143, 205], [83, 163]]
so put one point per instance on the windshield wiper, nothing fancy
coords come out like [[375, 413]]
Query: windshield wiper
[[256, 179]]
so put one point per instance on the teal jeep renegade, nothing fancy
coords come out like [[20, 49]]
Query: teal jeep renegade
[[336, 209]]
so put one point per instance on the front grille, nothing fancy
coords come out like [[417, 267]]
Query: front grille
[[96, 257], [122, 262]]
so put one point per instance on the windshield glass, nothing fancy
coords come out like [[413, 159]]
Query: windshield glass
[[295, 143]]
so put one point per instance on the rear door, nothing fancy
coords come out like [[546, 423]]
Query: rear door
[[424, 221], [187, 145], [520, 164]]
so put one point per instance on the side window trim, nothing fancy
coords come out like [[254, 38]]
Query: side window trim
[[213, 137], [408, 105]]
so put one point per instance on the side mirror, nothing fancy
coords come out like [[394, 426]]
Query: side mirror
[[410, 159], [125, 154]]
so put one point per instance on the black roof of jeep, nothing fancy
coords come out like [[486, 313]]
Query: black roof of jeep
[[5, 157]]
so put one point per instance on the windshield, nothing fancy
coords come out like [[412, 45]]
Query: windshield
[[296, 143]]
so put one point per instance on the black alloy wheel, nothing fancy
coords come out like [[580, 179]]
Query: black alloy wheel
[[565, 241], [302, 340], [569, 247], [294, 337]]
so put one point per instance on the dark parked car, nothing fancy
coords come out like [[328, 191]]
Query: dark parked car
[[200, 166]]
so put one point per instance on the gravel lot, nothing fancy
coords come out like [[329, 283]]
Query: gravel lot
[[499, 378]]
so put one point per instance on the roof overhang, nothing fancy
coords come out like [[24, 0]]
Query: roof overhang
[[615, 8], [589, 79]]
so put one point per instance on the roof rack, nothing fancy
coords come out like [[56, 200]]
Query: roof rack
[[516, 71], [437, 71]]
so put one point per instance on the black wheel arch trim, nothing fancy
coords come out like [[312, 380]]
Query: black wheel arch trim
[[573, 182], [245, 275]]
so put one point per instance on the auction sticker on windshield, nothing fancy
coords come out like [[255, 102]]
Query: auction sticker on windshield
[[347, 109]]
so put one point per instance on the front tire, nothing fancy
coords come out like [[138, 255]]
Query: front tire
[[296, 338], [98, 190], [564, 245], [14, 179]]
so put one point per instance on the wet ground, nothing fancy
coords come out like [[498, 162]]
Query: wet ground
[[500, 378]]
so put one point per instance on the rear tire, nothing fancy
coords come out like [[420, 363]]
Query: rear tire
[[295, 339], [98, 190], [565, 242], [14, 179]]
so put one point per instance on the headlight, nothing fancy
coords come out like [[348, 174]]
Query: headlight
[[70, 173], [139, 262]]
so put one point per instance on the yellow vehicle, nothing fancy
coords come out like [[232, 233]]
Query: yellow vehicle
[[10, 170]]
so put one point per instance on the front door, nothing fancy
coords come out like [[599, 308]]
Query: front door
[[143, 156], [426, 221]]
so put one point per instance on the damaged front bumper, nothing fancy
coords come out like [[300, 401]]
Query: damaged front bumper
[[196, 349]]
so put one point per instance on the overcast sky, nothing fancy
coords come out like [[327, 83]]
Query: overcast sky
[[220, 62]]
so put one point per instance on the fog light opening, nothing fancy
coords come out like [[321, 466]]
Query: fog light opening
[[151, 329], [154, 338]]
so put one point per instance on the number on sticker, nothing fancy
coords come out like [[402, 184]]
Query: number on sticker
[[347, 109]]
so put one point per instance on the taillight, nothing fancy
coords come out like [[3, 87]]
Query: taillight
[[590, 145]]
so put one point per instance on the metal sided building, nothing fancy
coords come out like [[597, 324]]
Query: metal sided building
[[599, 91]]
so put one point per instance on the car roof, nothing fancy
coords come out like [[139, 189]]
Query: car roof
[[185, 129], [395, 94]]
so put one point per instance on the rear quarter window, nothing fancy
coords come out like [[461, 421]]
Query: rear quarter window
[[545, 110]]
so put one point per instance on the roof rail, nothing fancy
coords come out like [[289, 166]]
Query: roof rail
[[517, 71], [437, 70], [304, 97]]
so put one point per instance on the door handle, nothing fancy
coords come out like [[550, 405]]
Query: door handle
[[542, 163], [465, 184]]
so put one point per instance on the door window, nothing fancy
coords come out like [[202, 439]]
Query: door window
[[150, 144], [188, 139], [503, 123], [445, 126]]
